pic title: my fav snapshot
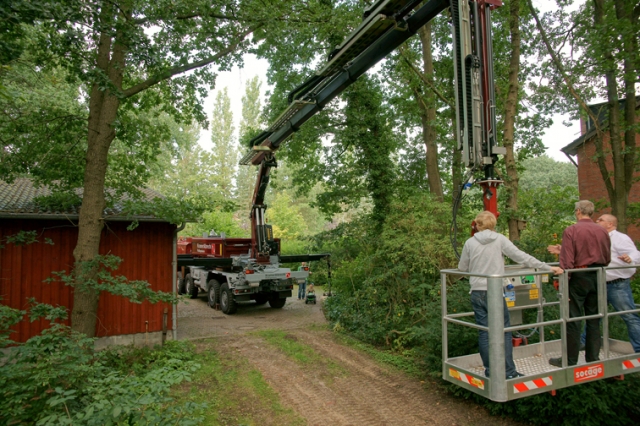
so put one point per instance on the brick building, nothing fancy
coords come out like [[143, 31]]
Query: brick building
[[146, 252], [590, 182]]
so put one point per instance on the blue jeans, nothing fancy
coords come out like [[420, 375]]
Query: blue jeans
[[302, 289], [479, 303], [619, 296]]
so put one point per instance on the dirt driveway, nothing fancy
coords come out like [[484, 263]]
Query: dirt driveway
[[350, 389]]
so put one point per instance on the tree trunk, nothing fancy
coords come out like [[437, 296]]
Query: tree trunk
[[429, 119], [510, 114], [103, 108], [618, 197], [625, 15]]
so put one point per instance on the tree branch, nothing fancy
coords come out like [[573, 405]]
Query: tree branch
[[426, 81], [166, 74], [560, 68]]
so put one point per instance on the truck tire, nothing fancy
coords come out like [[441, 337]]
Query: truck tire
[[261, 299], [190, 287], [213, 295], [275, 301], [227, 303]]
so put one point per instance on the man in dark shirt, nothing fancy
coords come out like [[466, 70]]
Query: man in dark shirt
[[584, 245]]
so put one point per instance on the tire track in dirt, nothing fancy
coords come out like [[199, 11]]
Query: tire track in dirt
[[358, 392], [368, 394]]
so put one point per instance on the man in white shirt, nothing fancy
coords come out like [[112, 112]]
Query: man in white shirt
[[619, 295]]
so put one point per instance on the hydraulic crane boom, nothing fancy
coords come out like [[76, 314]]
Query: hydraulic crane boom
[[386, 25]]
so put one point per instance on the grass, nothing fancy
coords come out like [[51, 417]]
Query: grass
[[299, 352], [407, 361], [235, 393]]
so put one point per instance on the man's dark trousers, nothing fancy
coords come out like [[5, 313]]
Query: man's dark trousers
[[583, 293]]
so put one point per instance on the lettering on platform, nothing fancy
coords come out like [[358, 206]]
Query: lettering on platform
[[589, 372]]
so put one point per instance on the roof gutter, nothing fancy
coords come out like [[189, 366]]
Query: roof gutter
[[4, 215]]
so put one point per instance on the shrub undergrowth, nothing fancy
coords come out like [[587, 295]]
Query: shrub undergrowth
[[57, 378], [387, 293]]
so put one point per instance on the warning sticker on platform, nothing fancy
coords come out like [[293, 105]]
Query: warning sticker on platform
[[510, 298], [533, 294], [466, 378], [589, 372]]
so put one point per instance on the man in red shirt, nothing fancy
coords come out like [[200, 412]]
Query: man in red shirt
[[584, 245]]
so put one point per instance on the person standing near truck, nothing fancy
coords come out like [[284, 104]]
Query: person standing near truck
[[302, 284]]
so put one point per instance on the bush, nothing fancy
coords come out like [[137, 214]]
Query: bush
[[387, 282], [387, 292], [56, 378]]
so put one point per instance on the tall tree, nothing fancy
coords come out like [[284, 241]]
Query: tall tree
[[366, 129], [620, 53], [428, 115], [132, 56], [224, 151], [250, 125], [604, 35], [510, 114]]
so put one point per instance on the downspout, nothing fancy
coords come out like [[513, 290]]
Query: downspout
[[174, 285]]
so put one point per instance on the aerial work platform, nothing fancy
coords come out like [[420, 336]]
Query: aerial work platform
[[616, 357]]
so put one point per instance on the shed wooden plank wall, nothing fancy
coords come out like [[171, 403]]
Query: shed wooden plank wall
[[146, 253]]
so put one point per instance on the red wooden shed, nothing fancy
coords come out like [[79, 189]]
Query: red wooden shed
[[146, 253], [590, 182]]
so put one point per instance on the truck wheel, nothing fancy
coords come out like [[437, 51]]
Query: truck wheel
[[213, 295], [275, 301], [190, 287], [261, 299], [227, 303]]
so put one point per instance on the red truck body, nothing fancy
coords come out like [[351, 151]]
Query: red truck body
[[216, 247]]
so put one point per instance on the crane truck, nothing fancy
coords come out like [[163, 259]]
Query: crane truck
[[232, 270]]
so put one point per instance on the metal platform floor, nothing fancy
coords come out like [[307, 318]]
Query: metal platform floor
[[533, 361], [530, 359]]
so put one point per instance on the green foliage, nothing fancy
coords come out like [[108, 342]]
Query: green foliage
[[548, 212], [42, 124], [387, 282], [224, 150], [545, 172], [59, 201], [171, 209], [285, 217], [8, 318], [602, 402], [218, 221], [22, 238], [57, 378], [387, 293], [96, 274]]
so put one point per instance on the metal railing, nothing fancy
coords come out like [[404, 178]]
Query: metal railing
[[496, 329]]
